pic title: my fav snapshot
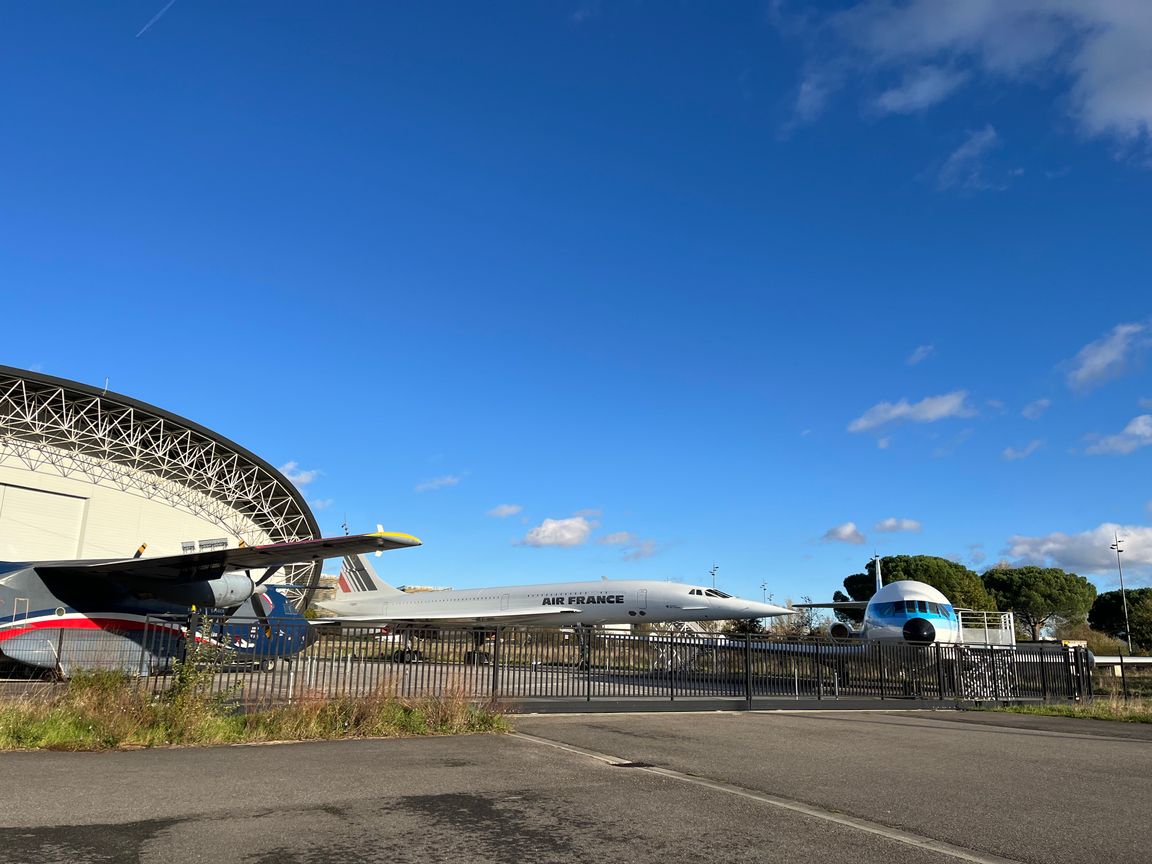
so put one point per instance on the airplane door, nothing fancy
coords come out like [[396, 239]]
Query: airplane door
[[504, 601], [642, 598]]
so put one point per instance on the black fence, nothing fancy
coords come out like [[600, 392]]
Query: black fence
[[289, 661]]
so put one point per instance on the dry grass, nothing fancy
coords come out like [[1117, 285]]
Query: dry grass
[[1115, 708], [100, 711]]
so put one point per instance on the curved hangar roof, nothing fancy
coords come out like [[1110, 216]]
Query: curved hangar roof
[[111, 440]]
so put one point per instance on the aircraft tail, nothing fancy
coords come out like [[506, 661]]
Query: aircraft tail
[[357, 578]]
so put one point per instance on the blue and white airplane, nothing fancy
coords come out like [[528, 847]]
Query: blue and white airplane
[[904, 611]]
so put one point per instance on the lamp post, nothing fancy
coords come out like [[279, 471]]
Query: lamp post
[[1123, 596], [764, 591]]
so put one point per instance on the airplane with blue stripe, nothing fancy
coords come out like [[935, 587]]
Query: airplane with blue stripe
[[904, 611]]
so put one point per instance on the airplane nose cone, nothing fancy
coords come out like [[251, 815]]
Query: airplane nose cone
[[919, 630], [764, 610]]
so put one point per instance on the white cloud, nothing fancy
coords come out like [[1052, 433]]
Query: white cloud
[[296, 476], [641, 549], [559, 532], [884, 443], [1107, 357], [921, 353], [1144, 402], [976, 553], [1137, 434], [1086, 552], [1033, 410], [846, 533], [634, 548], [812, 96], [927, 410], [894, 524], [437, 483], [501, 511], [321, 503], [921, 88], [1011, 453], [589, 512], [964, 167], [1096, 55]]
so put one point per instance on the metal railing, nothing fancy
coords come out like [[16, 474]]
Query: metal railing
[[516, 663]]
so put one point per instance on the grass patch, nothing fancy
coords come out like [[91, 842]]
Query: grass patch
[[1132, 711], [107, 710]]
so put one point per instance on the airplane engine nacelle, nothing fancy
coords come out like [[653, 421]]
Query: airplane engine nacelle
[[231, 589], [839, 630]]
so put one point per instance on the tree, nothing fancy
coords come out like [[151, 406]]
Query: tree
[[955, 581], [1107, 615], [744, 626], [1040, 596]]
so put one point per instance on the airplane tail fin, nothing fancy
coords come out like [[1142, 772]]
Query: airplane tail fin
[[357, 578]]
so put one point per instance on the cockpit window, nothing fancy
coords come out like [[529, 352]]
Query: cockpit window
[[712, 592]]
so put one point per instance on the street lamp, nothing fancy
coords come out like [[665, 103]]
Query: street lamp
[[1123, 596], [764, 591]]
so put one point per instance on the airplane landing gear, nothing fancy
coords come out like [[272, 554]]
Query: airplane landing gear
[[477, 656]]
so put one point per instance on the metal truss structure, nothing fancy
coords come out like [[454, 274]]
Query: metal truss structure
[[54, 425]]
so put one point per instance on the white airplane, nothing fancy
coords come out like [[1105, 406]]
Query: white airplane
[[904, 611], [363, 598]]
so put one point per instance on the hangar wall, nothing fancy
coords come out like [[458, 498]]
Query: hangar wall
[[44, 516]]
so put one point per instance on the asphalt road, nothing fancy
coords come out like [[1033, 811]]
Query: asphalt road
[[872, 788]]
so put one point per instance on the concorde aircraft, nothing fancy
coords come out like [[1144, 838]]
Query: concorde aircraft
[[903, 611], [113, 608], [363, 598]]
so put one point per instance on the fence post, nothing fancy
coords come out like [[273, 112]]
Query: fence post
[[748, 671], [883, 672], [1044, 675], [496, 664], [995, 673], [60, 653], [939, 674], [819, 675]]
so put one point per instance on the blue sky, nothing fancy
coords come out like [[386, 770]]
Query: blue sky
[[577, 289]]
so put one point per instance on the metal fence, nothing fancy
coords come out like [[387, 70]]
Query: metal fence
[[516, 663]]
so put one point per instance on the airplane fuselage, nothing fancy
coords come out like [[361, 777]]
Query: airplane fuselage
[[599, 602], [100, 625]]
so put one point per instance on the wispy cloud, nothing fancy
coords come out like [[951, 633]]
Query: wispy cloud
[[965, 169], [1108, 357], [927, 410], [845, 533], [893, 524], [921, 354], [1137, 434], [1093, 55], [1086, 552], [1011, 453], [438, 483], [503, 511], [296, 475], [321, 503], [922, 87], [633, 547], [559, 532], [1033, 410]]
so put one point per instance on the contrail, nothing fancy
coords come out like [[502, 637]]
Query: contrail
[[155, 18]]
